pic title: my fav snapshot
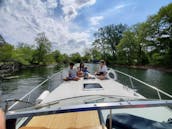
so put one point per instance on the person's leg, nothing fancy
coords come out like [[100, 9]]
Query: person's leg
[[76, 78], [101, 77], [68, 78], [2, 120]]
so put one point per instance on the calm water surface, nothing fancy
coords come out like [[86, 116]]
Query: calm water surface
[[25, 81], [28, 79], [159, 79]]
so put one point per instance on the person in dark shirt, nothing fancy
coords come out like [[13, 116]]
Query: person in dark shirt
[[72, 73]]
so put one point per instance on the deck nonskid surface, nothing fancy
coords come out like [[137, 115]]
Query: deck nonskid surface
[[71, 89]]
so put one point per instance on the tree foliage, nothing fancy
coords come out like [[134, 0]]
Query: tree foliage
[[160, 34], [23, 54], [108, 37], [148, 43], [42, 50], [6, 51], [31, 55], [76, 57]]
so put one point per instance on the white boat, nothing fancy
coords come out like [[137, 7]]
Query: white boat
[[92, 104]]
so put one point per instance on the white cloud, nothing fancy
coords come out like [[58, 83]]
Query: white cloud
[[51, 3], [120, 6], [95, 20], [71, 7], [69, 12], [22, 20]]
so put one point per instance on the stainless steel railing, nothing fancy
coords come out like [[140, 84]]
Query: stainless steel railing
[[89, 107], [132, 79], [48, 84]]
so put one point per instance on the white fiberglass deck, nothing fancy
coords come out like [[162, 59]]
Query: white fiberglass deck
[[71, 89]]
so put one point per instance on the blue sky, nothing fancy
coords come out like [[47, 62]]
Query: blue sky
[[127, 12], [69, 24]]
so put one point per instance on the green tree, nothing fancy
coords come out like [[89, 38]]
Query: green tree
[[75, 57], [23, 54], [50, 58], [101, 46], [59, 58], [87, 56], [6, 51], [140, 34], [66, 59], [96, 55], [108, 37], [42, 50], [128, 49], [160, 36]]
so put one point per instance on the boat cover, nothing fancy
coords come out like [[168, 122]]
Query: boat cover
[[127, 121]]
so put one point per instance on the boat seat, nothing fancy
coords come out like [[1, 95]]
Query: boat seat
[[86, 127], [91, 127], [127, 121], [25, 127], [66, 120]]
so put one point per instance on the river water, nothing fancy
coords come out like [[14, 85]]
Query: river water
[[27, 79], [159, 79]]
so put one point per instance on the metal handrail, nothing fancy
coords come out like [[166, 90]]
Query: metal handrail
[[146, 84], [58, 100], [130, 77], [29, 93], [15, 100], [89, 107]]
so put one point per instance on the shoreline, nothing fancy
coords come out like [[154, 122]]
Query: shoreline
[[9, 72], [162, 69]]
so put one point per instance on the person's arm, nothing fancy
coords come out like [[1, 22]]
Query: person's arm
[[75, 74], [105, 70], [97, 71], [2, 120], [69, 73]]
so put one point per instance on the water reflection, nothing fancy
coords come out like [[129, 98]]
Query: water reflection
[[153, 77]]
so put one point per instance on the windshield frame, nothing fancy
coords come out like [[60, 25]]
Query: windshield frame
[[89, 107]]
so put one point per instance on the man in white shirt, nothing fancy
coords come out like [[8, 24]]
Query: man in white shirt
[[102, 71]]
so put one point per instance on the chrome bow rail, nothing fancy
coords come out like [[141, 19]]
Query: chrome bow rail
[[134, 85], [48, 84]]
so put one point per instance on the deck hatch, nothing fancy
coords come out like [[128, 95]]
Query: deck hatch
[[89, 86]]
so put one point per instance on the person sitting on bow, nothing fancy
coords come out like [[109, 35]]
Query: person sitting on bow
[[102, 71], [80, 70], [72, 73]]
